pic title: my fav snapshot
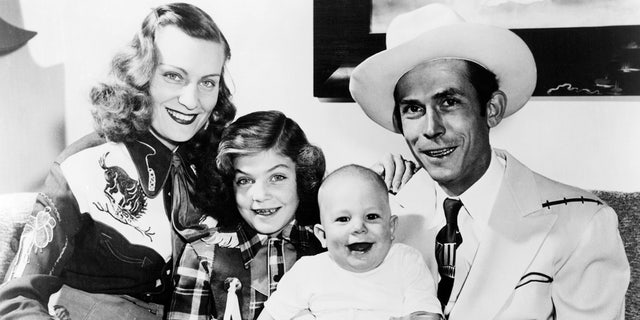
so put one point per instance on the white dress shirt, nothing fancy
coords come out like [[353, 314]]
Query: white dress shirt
[[473, 219]]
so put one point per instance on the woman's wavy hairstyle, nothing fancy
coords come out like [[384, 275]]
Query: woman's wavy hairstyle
[[123, 108], [254, 133]]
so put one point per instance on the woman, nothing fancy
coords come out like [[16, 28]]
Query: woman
[[272, 175], [117, 205]]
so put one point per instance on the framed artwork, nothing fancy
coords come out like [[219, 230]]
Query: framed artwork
[[581, 47]]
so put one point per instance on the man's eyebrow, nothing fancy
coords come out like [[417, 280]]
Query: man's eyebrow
[[409, 101], [447, 93]]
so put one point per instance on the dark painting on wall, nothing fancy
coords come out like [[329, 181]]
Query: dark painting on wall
[[571, 61]]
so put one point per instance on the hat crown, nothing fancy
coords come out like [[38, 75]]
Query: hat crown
[[410, 25], [437, 32]]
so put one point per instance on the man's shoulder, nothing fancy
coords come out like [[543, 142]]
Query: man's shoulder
[[574, 207], [553, 193]]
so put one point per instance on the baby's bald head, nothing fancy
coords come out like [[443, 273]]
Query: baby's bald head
[[357, 225], [351, 175]]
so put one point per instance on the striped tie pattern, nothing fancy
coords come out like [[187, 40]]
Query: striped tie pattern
[[447, 241]]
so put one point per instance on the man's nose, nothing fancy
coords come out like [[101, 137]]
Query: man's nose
[[189, 96], [433, 126]]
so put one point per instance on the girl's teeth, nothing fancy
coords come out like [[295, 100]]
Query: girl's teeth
[[265, 211]]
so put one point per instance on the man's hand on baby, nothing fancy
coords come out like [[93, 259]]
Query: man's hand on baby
[[396, 171]]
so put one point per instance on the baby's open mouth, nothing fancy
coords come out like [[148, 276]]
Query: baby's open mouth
[[360, 246]]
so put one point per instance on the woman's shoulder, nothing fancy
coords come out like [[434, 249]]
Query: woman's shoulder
[[90, 140], [88, 158]]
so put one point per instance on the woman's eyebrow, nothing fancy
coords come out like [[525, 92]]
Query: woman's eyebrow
[[185, 71], [172, 66]]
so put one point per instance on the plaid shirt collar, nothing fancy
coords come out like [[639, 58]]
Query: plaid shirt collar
[[301, 237]]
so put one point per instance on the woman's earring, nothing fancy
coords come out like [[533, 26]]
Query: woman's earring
[[206, 125]]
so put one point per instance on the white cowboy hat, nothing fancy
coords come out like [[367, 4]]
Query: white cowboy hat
[[437, 32]]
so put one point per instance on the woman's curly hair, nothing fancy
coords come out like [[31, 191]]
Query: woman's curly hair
[[122, 108], [251, 134]]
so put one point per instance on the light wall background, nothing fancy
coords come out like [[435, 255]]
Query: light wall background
[[591, 143]]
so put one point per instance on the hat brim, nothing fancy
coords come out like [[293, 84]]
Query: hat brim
[[499, 50], [12, 38]]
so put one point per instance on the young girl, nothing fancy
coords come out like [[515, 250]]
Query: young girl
[[265, 216]]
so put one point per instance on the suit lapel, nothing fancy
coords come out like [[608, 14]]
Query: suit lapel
[[517, 228]]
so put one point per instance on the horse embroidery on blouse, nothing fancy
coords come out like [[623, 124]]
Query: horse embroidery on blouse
[[126, 199]]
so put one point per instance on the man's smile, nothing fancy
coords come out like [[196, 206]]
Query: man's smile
[[439, 153]]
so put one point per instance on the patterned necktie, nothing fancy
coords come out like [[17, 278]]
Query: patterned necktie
[[185, 218], [447, 241]]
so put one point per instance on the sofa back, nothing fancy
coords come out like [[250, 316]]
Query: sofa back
[[15, 209]]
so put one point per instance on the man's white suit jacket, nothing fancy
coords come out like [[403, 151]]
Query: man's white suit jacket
[[551, 251]]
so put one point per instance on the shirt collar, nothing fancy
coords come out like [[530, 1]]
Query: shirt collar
[[301, 237], [152, 160], [478, 200]]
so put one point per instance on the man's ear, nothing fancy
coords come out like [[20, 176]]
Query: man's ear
[[318, 231], [496, 108]]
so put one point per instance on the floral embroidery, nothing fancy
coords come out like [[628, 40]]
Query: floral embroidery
[[61, 313], [40, 228], [222, 239], [36, 235]]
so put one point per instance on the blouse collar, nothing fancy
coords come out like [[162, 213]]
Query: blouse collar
[[152, 160]]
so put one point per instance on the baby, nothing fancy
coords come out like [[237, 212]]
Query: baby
[[363, 275]]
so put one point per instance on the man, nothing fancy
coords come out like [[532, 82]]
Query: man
[[504, 242]]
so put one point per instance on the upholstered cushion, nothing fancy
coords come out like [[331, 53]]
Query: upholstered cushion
[[14, 210], [627, 206]]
